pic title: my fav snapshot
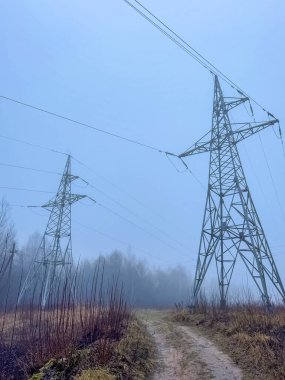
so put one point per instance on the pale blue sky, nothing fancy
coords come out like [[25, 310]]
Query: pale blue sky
[[101, 63]]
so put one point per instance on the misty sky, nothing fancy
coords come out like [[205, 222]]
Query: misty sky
[[101, 63]]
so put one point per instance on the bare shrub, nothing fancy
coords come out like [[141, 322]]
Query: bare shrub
[[31, 336]]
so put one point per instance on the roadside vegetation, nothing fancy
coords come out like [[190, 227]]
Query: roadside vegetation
[[95, 339], [94, 335], [252, 336]]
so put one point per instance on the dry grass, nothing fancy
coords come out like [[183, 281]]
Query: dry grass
[[95, 374], [135, 354], [81, 343], [58, 338], [253, 337], [93, 337], [129, 358], [33, 337]]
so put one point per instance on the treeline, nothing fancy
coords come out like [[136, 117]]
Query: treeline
[[142, 285]]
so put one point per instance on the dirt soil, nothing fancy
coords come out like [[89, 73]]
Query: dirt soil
[[183, 353]]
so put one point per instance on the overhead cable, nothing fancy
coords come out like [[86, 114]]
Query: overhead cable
[[184, 45], [25, 189], [138, 201], [28, 168], [80, 123], [32, 144], [87, 183], [272, 179], [97, 189], [108, 236], [100, 205], [133, 213], [168, 155], [139, 227]]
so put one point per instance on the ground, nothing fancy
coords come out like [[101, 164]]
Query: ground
[[183, 353]]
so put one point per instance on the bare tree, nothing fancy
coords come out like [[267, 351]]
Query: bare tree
[[7, 239]]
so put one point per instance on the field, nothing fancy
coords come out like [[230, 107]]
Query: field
[[98, 339]]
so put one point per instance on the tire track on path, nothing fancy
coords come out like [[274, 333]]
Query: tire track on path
[[183, 354]]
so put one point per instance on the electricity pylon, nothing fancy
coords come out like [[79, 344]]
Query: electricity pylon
[[231, 226], [53, 261]]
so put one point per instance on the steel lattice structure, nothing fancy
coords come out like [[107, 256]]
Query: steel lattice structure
[[53, 260], [231, 225]]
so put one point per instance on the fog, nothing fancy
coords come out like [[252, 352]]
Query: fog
[[141, 284]]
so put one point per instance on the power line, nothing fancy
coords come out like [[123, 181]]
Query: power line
[[28, 168], [272, 179], [104, 207], [249, 161], [135, 225], [97, 174], [135, 214], [121, 189], [90, 169], [138, 227], [25, 189], [92, 186], [108, 236], [80, 123], [184, 45], [32, 144], [97, 189], [193, 175], [101, 205], [187, 169], [18, 205], [111, 211]]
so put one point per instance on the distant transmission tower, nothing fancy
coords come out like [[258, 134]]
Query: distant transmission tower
[[231, 226], [53, 261]]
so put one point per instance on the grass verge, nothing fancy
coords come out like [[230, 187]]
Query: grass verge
[[254, 338], [131, 357]]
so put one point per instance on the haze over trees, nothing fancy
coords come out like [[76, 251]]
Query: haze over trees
[[142, 285]]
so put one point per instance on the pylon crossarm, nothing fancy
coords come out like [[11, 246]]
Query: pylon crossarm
[[248, 129], [67, 201], [201, 146], [234, 102], [245, 131]]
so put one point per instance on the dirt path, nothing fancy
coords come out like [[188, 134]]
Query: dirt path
[[184, 354]]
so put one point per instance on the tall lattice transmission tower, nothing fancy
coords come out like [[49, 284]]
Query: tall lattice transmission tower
[[53, 262], [231, 226]]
